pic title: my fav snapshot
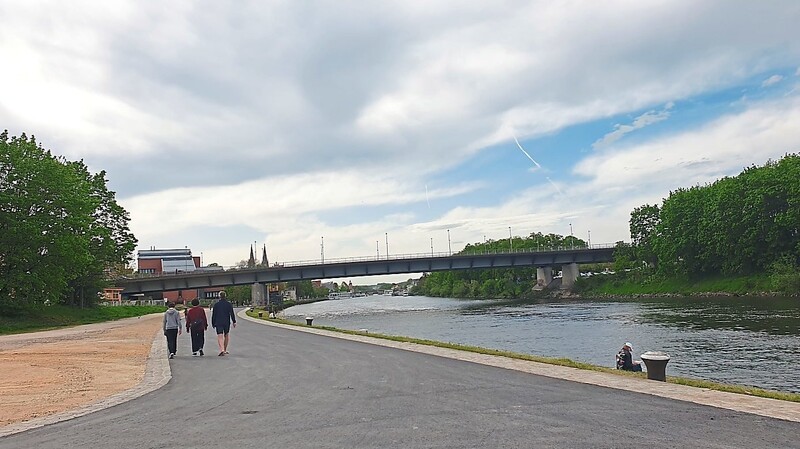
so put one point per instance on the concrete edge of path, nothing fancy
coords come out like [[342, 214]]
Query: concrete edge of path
[[157, 373], [772, 408]]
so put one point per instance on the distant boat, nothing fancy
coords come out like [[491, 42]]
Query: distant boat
[[340, 295]]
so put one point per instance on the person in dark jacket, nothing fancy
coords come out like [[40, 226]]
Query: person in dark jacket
[[172, 327], [221, 318], [196, 325], [625, 359]]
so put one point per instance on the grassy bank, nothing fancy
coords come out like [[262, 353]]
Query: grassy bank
[[52, 317], [751, 391], [603, 285]]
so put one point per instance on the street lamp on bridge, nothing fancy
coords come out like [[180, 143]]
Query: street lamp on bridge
[[449, 248]]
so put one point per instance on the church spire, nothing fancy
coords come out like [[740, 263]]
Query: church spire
[[264, 260], [251, 263]]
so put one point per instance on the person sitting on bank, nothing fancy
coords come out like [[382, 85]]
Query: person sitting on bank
[[625, 359]]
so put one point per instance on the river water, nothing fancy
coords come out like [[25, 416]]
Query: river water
[[741, 340]]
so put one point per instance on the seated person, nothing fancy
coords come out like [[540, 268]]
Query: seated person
[[625, 359]]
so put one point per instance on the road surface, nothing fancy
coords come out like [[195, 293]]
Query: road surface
[[280, 388]]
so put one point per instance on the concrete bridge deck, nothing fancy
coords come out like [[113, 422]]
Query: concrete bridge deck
[[364, 266]]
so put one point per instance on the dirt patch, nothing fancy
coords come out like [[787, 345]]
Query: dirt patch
[[55, 371]]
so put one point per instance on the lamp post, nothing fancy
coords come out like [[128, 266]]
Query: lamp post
[[449, 248], [571, 240], [322, 249], [510, 241], [377, 250], [590, 238], [431, 246], [387, 245]]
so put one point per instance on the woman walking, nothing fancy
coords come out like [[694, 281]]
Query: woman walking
[[196, 325]]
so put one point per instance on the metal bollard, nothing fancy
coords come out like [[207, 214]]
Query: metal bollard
[[309, 320], [656, 363]]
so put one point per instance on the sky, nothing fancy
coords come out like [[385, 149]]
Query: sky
[[351, 129]]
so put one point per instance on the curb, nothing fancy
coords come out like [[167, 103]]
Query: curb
[[156, 375]]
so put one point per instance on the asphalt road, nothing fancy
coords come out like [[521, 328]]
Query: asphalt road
[[281, 388]]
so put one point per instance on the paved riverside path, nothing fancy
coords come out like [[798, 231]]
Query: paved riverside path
[[287, 389]]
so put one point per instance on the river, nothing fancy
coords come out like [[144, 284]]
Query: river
[[741, 340]]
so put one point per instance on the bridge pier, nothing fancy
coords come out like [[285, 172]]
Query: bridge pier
[[544, 276], [569, 274], [258, 294]]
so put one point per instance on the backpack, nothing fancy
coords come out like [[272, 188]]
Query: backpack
[[197, 325]]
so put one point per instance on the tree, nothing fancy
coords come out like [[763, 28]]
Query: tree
[[60, 228], [643, 226]]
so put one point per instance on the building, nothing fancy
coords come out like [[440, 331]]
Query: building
[[174, 261], [112, 294]]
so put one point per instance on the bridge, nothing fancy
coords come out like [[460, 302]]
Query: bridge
[[543, 260]]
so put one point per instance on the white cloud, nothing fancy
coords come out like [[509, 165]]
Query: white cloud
[[726, 145], [774, 79], [646, 119], [263, 119]]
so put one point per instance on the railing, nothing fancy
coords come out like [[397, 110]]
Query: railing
[[338, 260]]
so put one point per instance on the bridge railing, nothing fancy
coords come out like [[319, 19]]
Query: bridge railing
[[391, 257]]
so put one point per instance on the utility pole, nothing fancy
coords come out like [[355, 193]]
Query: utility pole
[[449, 248]]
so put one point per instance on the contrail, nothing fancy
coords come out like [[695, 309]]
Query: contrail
[[426, 196], [526, 153], [554, 185]]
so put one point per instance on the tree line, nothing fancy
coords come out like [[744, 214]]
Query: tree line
[[494, 282], [740, 225], [62, 233]]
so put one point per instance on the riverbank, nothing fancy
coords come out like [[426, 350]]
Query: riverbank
[[617, 285], [564, 362]]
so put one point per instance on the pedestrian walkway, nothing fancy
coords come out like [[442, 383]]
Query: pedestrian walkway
[[772, 408]]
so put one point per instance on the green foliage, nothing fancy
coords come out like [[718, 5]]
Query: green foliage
[[60, 228], [305, 289], [239, 294], [733, 227], [47, 317], [785, 275], [644, 282], [643, 224], [498, 282]]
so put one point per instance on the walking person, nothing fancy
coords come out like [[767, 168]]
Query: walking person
[[221, 318], [172, 328], [196, 325]]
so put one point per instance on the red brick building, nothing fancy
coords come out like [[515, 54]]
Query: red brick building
[[174, 261]]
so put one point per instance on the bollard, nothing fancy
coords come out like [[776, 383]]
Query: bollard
[[260, 314], [309, 320], [656, 363]]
